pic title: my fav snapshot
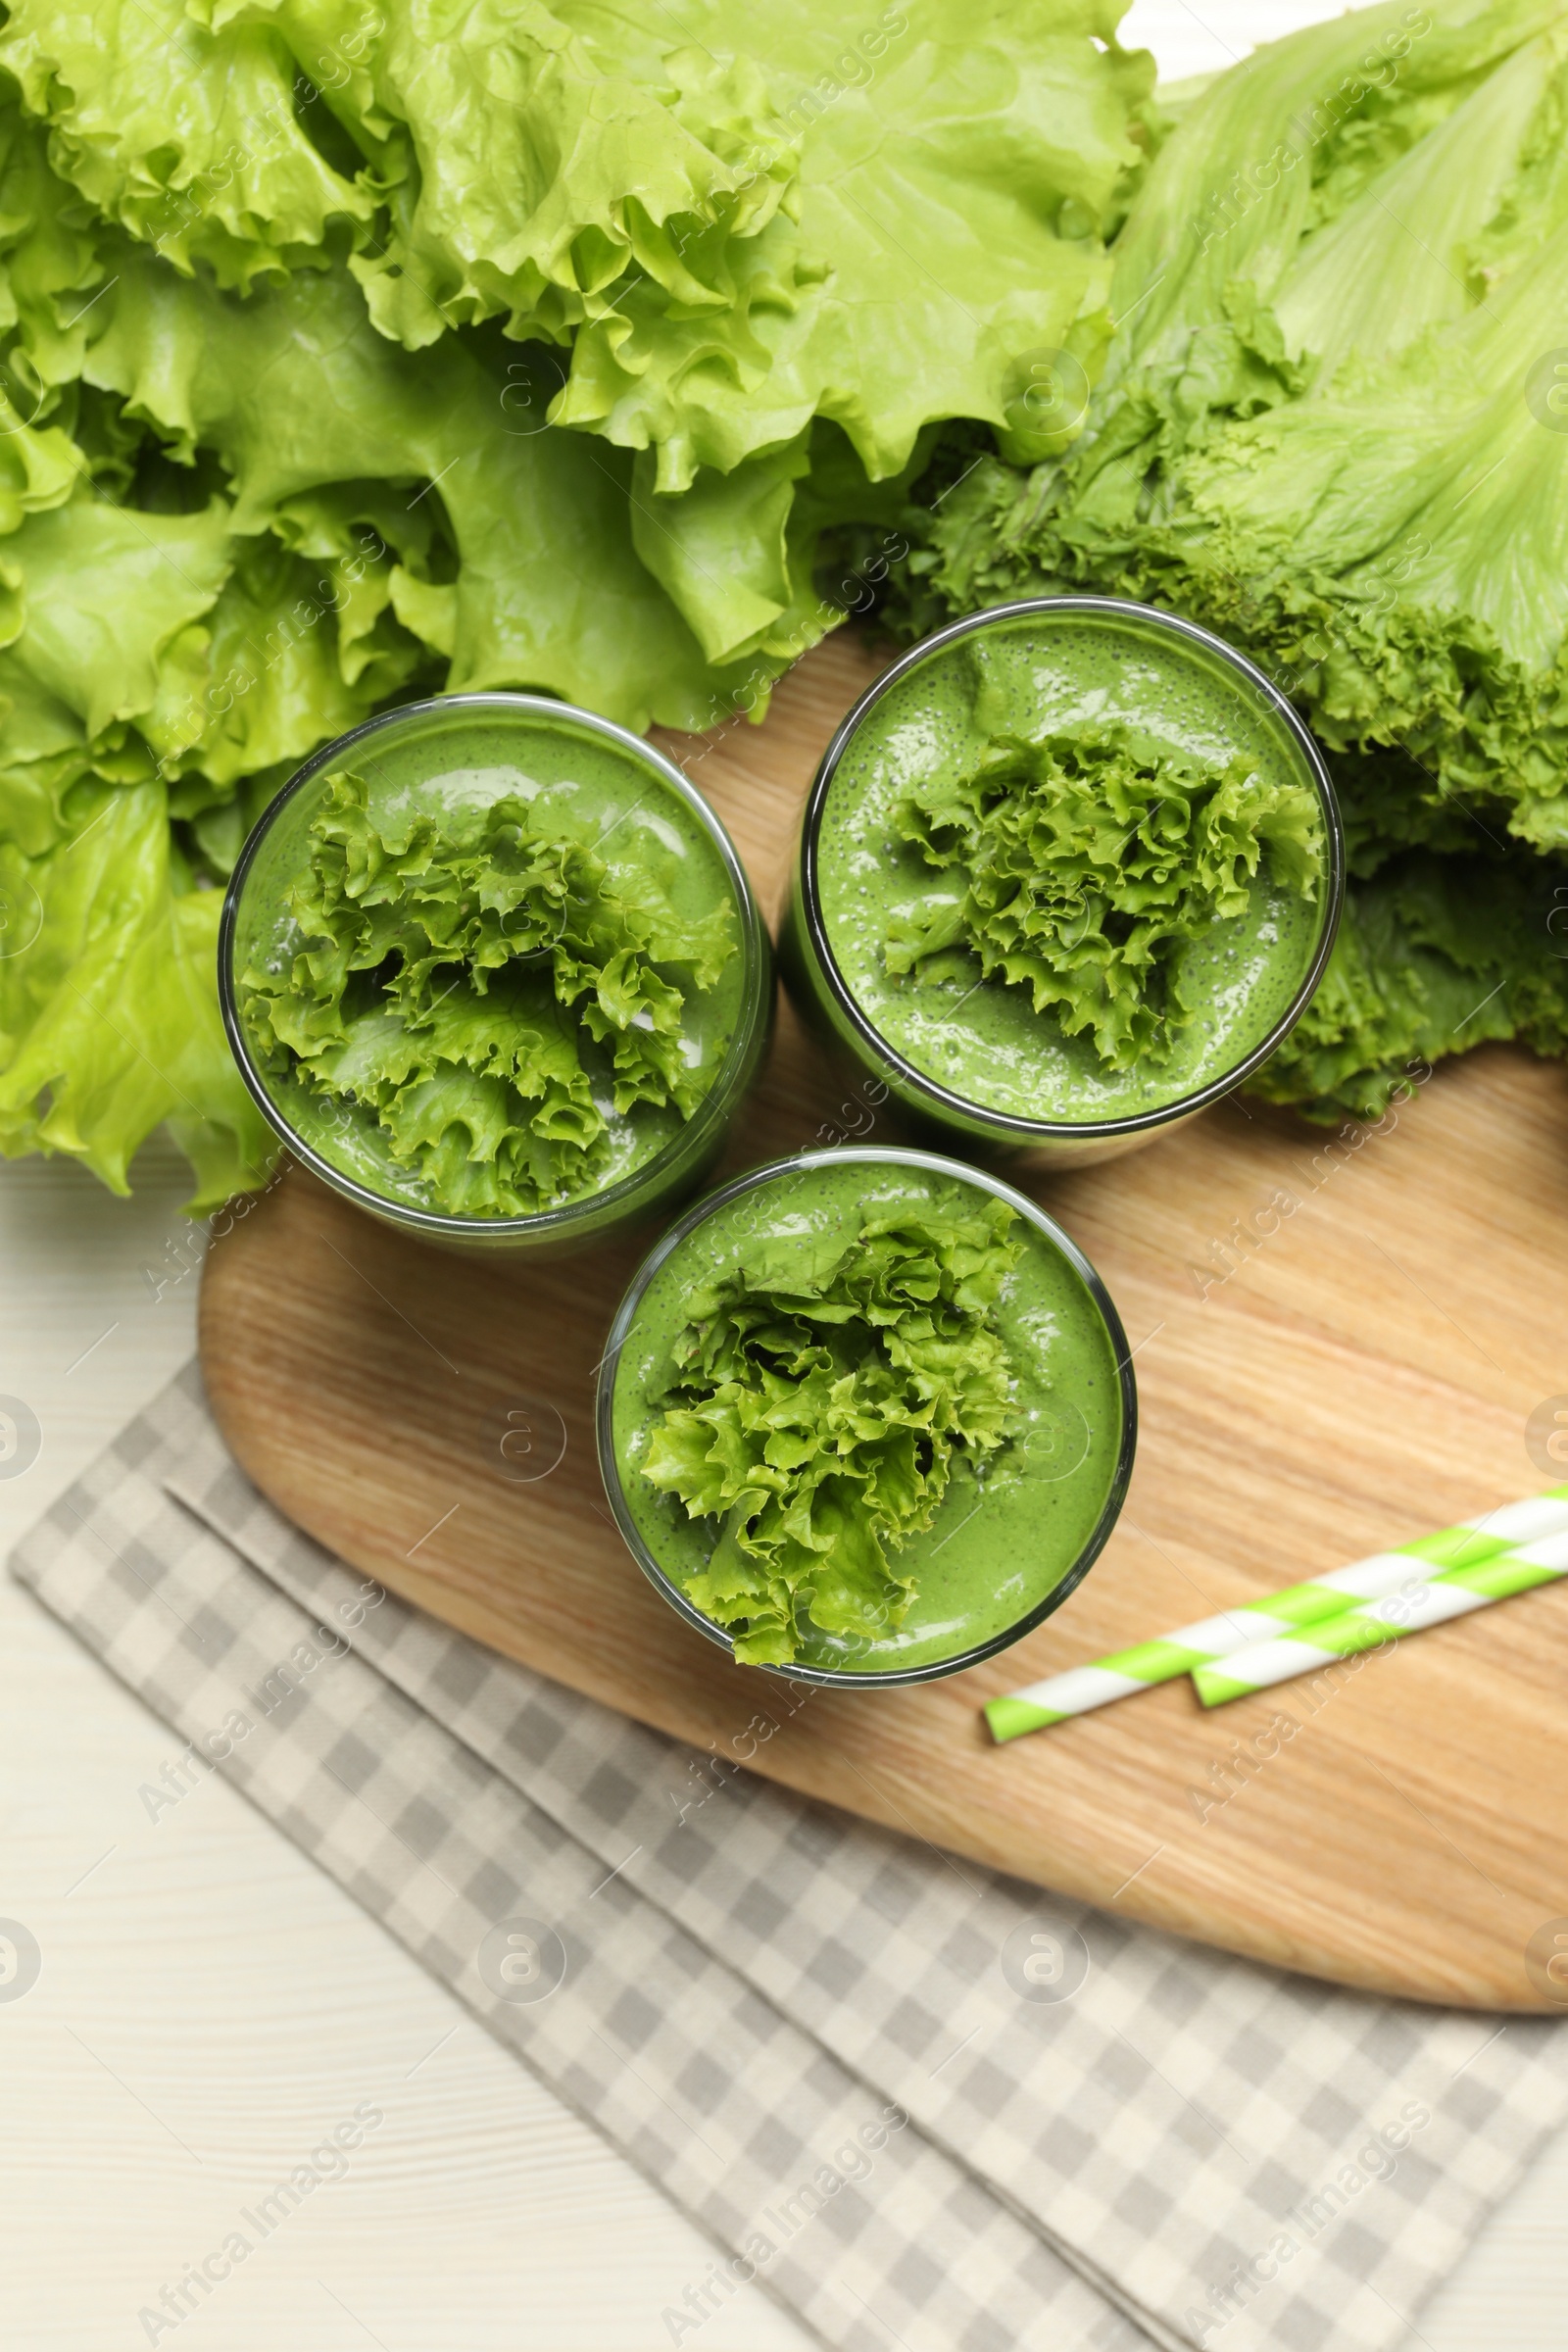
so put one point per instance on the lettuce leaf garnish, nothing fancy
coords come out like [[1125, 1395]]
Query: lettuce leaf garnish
[[443, 981], [1086, 861], [821, 1402]]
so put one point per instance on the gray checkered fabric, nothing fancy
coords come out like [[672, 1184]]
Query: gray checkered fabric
[[916, 2103]]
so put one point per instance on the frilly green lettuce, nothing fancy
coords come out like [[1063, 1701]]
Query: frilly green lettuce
[[740, 224], [443, 977], [496, 162], [819, 1405], [102, 600], [959, 166], [532, 171], [297, 392], [1329, 429], [185, 136], [109, 1023], [1435, 955], [49, 267], [1084, 862], [290, 293]]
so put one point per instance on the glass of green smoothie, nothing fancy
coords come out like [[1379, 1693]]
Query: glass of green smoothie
[[1069, 871], [866, 1416], [493, 970]]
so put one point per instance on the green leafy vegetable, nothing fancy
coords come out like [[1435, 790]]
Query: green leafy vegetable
[[1088, 861], [1436, 954], [355, 349], [1329, 429], [185, 135], [49, 266], [540, 162], [109, 1024], [821, 1402], [444, 980], [957, 164], [352, 348]]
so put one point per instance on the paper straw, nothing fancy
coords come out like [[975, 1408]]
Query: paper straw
[[1452, 1595], [1190, 1646]]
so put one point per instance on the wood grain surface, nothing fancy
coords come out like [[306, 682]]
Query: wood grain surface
[[1339, 1343]]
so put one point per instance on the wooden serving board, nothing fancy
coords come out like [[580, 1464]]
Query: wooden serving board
[[1365, 1373]]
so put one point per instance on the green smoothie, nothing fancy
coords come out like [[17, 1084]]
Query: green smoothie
[[1006, 1542], [1095, 685], [491, 960]]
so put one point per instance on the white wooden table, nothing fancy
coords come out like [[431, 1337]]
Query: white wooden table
[[209, 2004]]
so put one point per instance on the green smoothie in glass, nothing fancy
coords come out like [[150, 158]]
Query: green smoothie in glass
[[866, 1416], [492, 969], [1070, 870]]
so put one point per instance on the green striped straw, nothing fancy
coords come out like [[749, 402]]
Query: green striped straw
[[1193, 1646], [1455, 1594]]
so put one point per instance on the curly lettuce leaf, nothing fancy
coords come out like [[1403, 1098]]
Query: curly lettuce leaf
[[957, 170], [1406, 254], [445, 975], [1303, 132], [496, 162], [296, 391], [174, 646], [820, 1403], [109, 1023], [38, 469], [376, 546], [738, 553], [292, 653], [102, 599], [1327, 430], [531, 176], [527, 168], [956, 181], [49, 266], [1433, 956], [1084, 864], [185, 136]]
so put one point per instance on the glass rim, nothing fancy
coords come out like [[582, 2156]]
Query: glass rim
[[1011, 1125], [543, 1221], [898, 1155]]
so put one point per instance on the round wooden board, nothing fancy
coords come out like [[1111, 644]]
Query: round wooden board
[[1365, 1373]]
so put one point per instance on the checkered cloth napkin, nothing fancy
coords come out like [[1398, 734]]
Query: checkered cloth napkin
[[918, 2104]]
